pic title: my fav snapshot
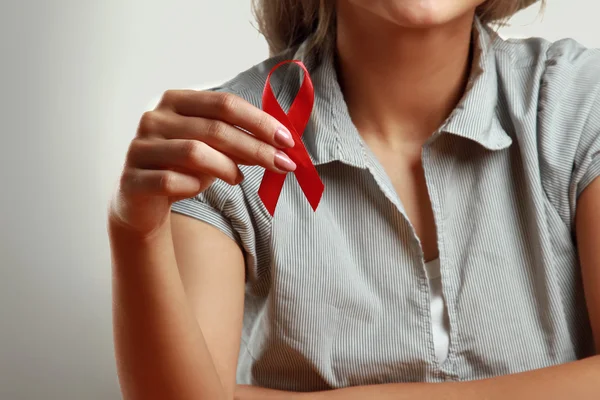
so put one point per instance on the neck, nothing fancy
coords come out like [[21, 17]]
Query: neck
[[400, 84]]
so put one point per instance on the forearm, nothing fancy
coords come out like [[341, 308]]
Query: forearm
[[160, 349], [577, 380]]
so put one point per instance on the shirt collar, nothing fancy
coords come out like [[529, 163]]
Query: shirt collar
[[475, 117], [331, 135]]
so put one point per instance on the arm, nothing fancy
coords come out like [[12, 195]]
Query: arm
[[588, 238], [577, 380], [178, 284], [177, 298]]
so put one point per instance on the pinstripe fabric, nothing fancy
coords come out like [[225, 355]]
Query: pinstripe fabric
[[340, 297]]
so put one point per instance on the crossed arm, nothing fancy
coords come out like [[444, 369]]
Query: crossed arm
[[577, 380]]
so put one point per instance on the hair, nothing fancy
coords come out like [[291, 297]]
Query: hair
[[288, 23]]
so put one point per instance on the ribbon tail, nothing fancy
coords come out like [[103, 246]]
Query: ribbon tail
[[311, 184], [270, 190]]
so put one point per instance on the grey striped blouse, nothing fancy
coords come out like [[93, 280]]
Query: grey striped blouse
[[339, 297]]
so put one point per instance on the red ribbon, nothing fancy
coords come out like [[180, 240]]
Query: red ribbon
[[295, 121]]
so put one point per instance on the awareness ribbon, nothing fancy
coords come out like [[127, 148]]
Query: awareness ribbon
[[295, 121]]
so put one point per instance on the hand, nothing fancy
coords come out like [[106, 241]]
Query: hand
[[188, 141]]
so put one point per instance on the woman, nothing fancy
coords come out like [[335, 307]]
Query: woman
[[453, 253]]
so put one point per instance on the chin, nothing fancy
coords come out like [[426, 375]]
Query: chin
[[420, 13]]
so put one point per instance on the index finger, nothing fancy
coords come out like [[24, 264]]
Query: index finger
[[231, 109]]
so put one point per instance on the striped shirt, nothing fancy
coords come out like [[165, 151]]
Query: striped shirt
[[339, 297]]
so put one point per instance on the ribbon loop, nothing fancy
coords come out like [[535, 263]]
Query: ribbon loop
[[295, 121]]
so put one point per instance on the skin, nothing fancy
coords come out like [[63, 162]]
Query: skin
[[172, 340], [418, 47]]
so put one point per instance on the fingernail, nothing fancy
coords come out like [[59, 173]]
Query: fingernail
[[283, 162], [283, 138]]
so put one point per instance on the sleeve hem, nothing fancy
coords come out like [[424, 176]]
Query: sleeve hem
[[203, 212], [590, 175]]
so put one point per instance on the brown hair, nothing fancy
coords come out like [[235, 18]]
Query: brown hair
[[287, 23]]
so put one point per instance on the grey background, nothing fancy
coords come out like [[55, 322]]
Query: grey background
[[75, 76]]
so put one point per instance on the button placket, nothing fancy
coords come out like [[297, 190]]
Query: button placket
[[434, 181]]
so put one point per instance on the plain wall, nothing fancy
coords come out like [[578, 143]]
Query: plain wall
[[75, 76]]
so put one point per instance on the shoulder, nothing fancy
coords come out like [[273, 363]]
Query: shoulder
[[571, 76], [562, 75], [571, 87], [539, 52], [551, 96], [553, 87]]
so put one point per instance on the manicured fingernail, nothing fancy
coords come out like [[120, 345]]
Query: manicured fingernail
[[283, 162], [283, 138]]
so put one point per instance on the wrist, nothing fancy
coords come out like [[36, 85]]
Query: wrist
[[122, 232]]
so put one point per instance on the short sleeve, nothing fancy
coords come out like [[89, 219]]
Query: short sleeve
[[569, 123], [209, 207], [587, 159], [230, 210]]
